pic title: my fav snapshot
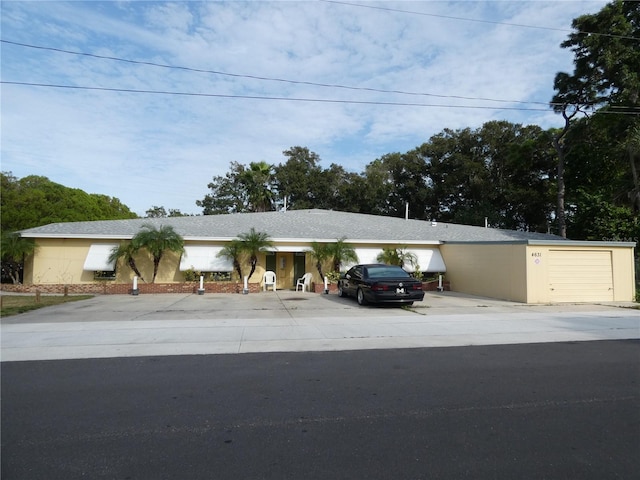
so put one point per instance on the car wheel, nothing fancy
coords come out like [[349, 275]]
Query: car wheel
[[341, 291], [360, 297]]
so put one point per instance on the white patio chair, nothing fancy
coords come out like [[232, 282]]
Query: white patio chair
[[269, 279], [304, 282]]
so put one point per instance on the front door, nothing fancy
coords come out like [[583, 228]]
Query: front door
[[299, 266], [270, 263]]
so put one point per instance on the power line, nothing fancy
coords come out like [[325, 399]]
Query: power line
[[493, 22], [286, 99], [272, 79], [261, 97]]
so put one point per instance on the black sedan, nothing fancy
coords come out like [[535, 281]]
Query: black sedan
[[379, 283]]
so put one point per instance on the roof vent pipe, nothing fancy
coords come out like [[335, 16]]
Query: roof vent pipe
[[406, 212]]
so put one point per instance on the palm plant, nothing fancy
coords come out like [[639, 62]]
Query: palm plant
[[14, 251], [158, 240], [126, 252], [341, 252], [389, 256], [254, 243], [319, 251], [233, 251], [258, 179], [397, 256]]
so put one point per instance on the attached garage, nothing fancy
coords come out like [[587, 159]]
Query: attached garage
[[534, 271], [580, 276]]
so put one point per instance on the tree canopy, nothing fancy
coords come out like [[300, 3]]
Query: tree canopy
[[580, 180], [605, 83], [33, 201]]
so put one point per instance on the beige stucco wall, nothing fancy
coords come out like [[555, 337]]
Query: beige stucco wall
[[61, 261], [520, 272], [487, 270], [623, 270]]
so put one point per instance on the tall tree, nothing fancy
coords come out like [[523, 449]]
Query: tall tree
[[254, 243], [157, 241], [33, 201], [605, 80], [458, 176], [370, 192], [632, 146], [14, 250], [156, 212], [227, 193], [519, 162], [241, 189], [259, 185], [299, 178]]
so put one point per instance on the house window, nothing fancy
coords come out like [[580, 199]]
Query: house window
[[104, 275], [217, 276]]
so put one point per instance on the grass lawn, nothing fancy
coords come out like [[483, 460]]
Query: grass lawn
[[14, 304]]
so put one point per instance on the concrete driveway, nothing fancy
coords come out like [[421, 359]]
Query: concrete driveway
[[181, 324]]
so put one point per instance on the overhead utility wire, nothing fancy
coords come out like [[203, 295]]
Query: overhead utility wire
[[494, 22], [260, 97], [255, 77], [286, 99]]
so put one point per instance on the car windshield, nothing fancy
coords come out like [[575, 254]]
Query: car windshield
[[386, 271]]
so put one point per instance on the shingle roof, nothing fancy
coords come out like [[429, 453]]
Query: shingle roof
[[300, 225]]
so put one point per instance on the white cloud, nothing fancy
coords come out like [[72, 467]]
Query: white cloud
[[149, 149]]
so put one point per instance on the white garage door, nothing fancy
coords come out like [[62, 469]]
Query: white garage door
[[580, 276]]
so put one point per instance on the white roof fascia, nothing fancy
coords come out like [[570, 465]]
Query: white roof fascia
[[76, 236], [358, 241]]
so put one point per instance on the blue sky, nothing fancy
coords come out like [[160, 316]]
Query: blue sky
[[163, 149]]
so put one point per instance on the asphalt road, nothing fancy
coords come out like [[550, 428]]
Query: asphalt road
[[557, 410]]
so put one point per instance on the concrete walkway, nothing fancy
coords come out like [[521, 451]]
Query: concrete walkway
[[179, 324]]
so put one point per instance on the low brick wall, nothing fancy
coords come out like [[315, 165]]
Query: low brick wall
[[433, 286], [109, 288], [319, 287]]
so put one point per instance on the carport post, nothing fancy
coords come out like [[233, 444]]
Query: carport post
[[201, 289], [326, 286], [134, 291], [245, 290]]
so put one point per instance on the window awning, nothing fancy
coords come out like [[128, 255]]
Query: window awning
[[365, 255], [98, 258], [204, 258], [429, 260]]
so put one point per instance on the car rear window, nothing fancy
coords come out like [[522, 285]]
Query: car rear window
[[387, 271]]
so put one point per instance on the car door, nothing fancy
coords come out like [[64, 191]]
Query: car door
[[356, 278], [353, 278]]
